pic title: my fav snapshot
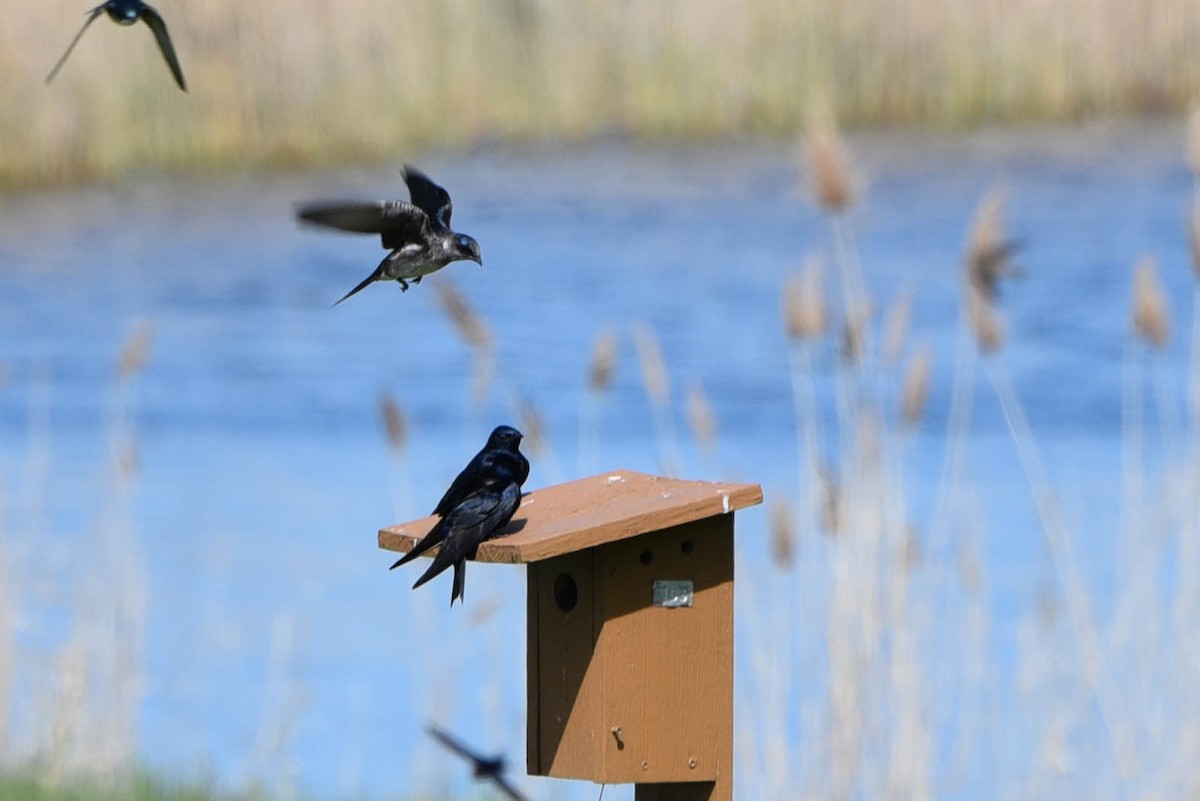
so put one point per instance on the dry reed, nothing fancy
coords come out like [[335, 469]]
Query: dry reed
[[136, 351], [604, 359], [1193, 226], [1192, 143], [783, 532], [1149, 315], [303, 82], [701, 417], [829, 172], [915, 385], [395, 428], [467, 323], [804, 303], [895, 326]]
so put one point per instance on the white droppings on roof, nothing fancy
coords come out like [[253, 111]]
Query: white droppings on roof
[[666, 495], [614, 479], [725, 502]]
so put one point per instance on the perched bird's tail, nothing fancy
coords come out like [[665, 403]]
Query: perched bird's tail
[[460, 582], [435, 569]]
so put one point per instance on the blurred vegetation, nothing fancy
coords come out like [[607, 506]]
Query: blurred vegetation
[[142, 788], [300, 82]]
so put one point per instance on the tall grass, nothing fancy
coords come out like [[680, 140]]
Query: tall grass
[[306, 82]]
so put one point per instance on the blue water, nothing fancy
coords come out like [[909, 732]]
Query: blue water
[[277, 647]]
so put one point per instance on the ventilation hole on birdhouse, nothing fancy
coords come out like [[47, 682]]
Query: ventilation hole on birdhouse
[[687, 546], [646, 557], [566, 594]]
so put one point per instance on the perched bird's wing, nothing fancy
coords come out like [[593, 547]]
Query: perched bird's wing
[[91, 17], [164, 43], [466, 482], [396, 221], [373, 277], [434, 537], [474, 519], [428, 196]]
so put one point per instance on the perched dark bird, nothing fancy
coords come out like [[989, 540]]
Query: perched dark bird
[[127, 12], [417, 233], [504, 443], [491, 768], [477, 517]]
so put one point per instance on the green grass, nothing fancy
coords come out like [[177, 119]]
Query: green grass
[[284, 82], [18, 787]]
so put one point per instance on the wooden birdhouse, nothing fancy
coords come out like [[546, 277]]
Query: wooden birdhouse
[[630, 629]]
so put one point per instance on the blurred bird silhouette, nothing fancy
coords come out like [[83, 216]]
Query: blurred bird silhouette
[[481, 767], [504, 444], [479, 516], [127, 12], [417, 234]]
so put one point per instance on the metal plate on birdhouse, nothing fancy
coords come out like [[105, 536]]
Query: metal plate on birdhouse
[[673, 594]]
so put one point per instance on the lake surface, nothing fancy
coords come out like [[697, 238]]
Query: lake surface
[[276, 647]]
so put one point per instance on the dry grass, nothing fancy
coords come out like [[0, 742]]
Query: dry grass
[[306, 82]]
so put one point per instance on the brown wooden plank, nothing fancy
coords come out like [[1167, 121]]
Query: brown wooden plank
[[566, 704], [602, 508], [669, 672]]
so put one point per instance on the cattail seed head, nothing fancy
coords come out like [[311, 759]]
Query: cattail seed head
[[604, 358], [804, 303], [394, 425], [1150, 319], [701, 418], [984, 323], [533, 427], [989, 252], [468, 324], [895, 326], [830, 502], [136, 351], [829, 168], [915, 389], [652, 364], [783, 533], [1193, 141], [1194, 238]]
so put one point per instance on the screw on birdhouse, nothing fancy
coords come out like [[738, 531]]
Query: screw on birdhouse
[[645, 765], [616, 733], [692, 763]]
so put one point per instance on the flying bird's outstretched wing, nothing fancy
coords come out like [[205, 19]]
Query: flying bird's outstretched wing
[[91, 17], [163, 38], [482, 767], [428, 196], [396, 221]]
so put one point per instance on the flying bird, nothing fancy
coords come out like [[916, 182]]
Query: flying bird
[[418, 234], [504, 444], [127, 12], [491, 768], [477, 517]]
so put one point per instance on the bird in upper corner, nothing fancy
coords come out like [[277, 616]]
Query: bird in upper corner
[[479, 516], [127, 12], [503, 444], [481, 767], [417, 233]]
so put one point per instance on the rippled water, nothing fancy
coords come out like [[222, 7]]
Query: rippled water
[[277, 645]]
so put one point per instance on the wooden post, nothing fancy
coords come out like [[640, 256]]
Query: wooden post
[[630, 630]]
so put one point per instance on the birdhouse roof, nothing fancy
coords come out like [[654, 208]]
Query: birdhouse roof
[[592, 511]]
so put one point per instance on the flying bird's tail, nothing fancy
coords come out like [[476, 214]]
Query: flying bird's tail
[[373, 277], [95, 12]]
